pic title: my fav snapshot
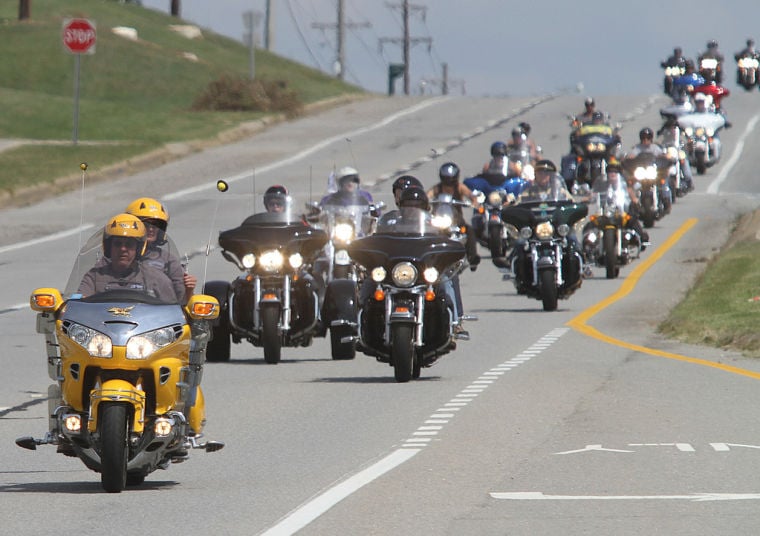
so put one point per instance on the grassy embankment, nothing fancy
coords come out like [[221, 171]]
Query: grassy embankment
[[135, 96]]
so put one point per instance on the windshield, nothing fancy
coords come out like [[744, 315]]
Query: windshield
[[93, 273], [409, 221], [553, 190], [358, 215]]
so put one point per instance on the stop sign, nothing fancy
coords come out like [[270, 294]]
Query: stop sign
[[79, 36]]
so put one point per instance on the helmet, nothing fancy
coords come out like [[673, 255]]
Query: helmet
[[545, 165], [516, 132], [712, 43], [614, 165], [404, 182], [498, 148], [700, 97], [589, 101], [124, 225], [597, 117], [750, 42], [275, 193], [525, 127], [147, 208], [646, 133], [415, 197], [449, 173], [347, 173], [677, 51]]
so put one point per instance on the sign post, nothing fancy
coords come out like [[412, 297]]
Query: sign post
[[78, 36]]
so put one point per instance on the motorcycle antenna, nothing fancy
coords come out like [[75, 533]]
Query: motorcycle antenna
[[83, 167], [351, 150], [222, 187], [253, 191]]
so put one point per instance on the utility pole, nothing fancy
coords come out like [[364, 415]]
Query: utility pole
[[251, 21], [269, 26], [444, 82], [340, 26], [406, 41]]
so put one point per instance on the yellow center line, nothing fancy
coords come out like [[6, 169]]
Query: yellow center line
[[579, 323]]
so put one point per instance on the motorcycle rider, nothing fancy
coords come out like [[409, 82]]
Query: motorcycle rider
[[348, 189], [449, 184], [748, 52], [276, 199], [398, 187], [548, 185], [614, 181], [712, 52], [667, 135], [519, 140], [646, 145], [124, 244], [676, 60], [533, 148], [589, 107], [155, 217]]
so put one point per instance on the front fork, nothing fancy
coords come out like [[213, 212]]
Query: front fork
[[418, 316], [545, 261]]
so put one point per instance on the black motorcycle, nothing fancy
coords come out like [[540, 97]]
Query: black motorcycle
[[652, 177], [746, 71], [607, 241], [593, 146], [275, 301], [406, 317], [546, 263]]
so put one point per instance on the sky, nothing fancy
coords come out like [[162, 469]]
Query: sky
[[496, 47]]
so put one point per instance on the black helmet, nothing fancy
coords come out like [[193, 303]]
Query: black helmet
[[750, 42], [545, 165], [646, 133], [449, 173], [525, 127], [498, 148], [677, 51], [712, 43], [516, 132], [415, 197], [276, 192], [597, 117], [404, 182]]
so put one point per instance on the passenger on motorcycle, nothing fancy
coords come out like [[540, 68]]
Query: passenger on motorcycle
[[613, 181], [714, 95], [449, 184], [348, 188], [646, 145], [124, 244], [155, 217]]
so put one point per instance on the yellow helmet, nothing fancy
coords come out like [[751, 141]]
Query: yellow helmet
[[124, 225], [147, 208]]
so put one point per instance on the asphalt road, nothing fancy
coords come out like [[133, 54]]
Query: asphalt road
[[579, 421]]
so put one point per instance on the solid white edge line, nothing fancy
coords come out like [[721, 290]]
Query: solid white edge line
[[715, 185], [54, 236], [310, 511]]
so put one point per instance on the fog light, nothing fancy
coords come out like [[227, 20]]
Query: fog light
[[72, 423], [163, 427]]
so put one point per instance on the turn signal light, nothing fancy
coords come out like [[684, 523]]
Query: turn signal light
[[429, 294], [44, 300], [203, 308], [379, 294]]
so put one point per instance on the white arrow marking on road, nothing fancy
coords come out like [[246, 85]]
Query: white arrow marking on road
[[592, 447], [694, 497]]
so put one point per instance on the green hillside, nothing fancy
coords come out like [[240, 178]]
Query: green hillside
[[135, 94]]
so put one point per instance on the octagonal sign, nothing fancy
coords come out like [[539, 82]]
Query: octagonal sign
[[79, 36]]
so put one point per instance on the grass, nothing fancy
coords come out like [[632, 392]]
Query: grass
[[721, 309], [135, 93]]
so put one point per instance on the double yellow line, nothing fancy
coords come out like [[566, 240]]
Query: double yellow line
[[579, 323]]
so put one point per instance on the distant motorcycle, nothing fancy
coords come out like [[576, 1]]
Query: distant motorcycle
[[405, 319], [671, 72], [746, 72], [703, 145], [545, 264], [593, 145], [651, 176]]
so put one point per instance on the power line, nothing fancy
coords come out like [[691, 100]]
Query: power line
[[303, 38], [406, 41]]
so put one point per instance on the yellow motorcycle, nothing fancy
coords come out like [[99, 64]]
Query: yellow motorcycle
[[127, 369]]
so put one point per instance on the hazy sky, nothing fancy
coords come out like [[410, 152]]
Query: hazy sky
[[498, 47]]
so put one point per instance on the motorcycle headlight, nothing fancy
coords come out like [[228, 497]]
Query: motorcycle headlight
[[404, 274], [494, 198], [249, 260], [689, 131], [96, 343], [295, 260], [143, 345], [526, 232], [563, 229], [378, 274], [709, 63], [544, 230], [710, 132], [643, 173], [699, 132], [430, 275], [442, 222], [271, 261], [672, 153], [343, 232], [682, 155], [590, 147]]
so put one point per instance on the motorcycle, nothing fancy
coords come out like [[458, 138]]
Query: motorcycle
[[126, 367], [405, 317], [675, 154], [711, 69], [593, 145], [746, 72], [546, 266], [703, 143], [493, 192], [275, 300], [606, 239], [650, 173], [671, 73]]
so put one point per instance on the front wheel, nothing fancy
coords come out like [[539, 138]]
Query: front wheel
[[701, 161], [342, 351], [548, 289], [218, 348], [270, 334], [402, 351], [494, 242], [114, 449], [610, 253]]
